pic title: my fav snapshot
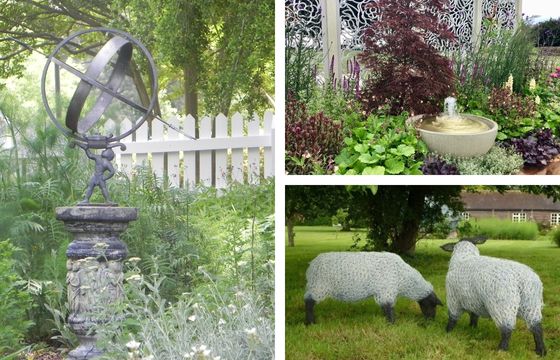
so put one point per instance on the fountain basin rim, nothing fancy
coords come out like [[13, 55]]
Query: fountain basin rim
[[414, 120]]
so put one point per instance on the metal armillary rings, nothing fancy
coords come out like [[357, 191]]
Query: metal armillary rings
[[77, 126]]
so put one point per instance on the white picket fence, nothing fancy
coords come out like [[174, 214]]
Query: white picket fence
[[242, 149]]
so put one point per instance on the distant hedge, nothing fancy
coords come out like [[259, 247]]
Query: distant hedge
[[505, 229]]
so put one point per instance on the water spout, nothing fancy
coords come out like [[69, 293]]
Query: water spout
[[450, 107]]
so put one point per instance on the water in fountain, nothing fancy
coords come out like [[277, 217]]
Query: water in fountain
[[452, 122]]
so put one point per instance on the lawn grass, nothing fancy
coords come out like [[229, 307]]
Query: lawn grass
[[359, 330]]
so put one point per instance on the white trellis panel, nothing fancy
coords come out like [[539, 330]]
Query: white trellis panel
[[206, 155], [189, 158], [174, 175], [125, 160], [157, 162], [142, 136], [268, 153], [256, 142], [237, 154], [221, 155], [253, 156]]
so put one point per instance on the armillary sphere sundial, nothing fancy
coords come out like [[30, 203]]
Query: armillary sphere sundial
[[102, 81], [95, 256]]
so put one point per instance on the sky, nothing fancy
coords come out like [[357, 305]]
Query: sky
[[545, 8]]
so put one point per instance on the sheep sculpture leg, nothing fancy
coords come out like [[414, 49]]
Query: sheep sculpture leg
[[309, 314], [506, 335], [539, 341], [389, 312], [474, 319]]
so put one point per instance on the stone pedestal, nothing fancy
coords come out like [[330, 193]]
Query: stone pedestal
[[95, 267]]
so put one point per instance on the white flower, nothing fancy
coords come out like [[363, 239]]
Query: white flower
[[509, 83], [532, 84], [134, 277], [241, 263], [132, 345], [221, 322], [537, 100], [252, 331], [134, 259], [200, 353], [195, 306], [232, 308], [192, 318]]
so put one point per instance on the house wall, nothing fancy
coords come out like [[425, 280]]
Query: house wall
[[542, 217]]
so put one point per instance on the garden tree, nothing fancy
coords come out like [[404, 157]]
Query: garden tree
[[406, 72], [312, 201], [397, 216], [548, 33], [194, 41]]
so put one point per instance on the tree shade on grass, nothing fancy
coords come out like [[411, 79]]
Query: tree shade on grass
[[359, 330]]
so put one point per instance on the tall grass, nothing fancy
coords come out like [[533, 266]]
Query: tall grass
[[500, 52], [555, 234], [505, 229]]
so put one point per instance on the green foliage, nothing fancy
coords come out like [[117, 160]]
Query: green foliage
[[502, 52], [383, 145], [498, 161], [548, 32], [411, 337], [398, 216], [555, 234], [229, 324], [301, 66], [14, 302], [495, 228]]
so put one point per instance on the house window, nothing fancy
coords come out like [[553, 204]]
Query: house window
[[466, 216], [519, 217], [554, 219]]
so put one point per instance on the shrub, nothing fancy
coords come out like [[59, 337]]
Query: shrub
[[508, 109], [556, 236], [505, 229], [383, 145], [537, 147], [311, 142], [497, 161], [406, 72], [435, 165], [14, 304]]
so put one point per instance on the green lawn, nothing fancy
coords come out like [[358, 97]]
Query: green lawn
[[359, 330]]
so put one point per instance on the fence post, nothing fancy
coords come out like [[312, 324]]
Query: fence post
[[330, 17], [518, 12]]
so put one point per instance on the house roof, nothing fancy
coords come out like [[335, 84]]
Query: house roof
[[511, 200]]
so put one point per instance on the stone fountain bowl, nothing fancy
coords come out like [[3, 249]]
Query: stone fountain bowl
[[462, 145]]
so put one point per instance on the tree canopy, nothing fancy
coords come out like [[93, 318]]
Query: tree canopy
[[214, 56]]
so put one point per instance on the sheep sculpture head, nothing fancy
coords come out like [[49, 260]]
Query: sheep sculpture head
[[450, 247]]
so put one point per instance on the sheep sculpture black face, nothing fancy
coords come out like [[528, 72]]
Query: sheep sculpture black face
[[496, 288], [353, 276]]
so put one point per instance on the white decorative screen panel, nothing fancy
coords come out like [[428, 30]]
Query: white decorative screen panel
[[355, 18], [303, 18]]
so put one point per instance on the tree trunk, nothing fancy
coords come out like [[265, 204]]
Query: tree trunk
[[405, 242], [290, 223], [190, 77]]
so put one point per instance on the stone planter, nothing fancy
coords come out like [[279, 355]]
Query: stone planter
[[95, 261], [463, 145]]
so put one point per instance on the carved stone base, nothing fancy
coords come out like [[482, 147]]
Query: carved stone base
[[95, 270]]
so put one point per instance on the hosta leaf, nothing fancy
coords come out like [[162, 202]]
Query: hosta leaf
[[368, 159], [394, 166], [377, 170]]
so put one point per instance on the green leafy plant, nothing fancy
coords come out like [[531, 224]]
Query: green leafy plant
[[497, 161], [555, 234], [14, 304], [383, 145]]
